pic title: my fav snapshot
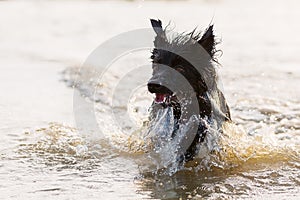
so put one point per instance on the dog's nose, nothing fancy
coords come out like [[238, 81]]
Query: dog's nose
[[157, 88], [154, 88]]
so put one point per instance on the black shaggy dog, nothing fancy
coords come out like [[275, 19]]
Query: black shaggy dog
[[185, 79]]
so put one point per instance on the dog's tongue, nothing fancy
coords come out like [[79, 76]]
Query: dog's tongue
[[159, 98]]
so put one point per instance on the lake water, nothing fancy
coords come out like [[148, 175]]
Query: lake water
[[45, 153]]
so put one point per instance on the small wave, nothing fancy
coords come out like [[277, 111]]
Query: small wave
[[60, 146]]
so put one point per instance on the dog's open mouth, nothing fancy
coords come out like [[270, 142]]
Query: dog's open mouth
[[161, 98], [165, 98], [163, 95]]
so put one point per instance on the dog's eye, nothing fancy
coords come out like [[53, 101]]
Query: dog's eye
[[180, 68], [155, 55]]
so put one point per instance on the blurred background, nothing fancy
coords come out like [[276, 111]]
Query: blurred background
[[38, 36]]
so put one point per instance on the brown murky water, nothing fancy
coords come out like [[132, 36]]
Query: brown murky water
[[43, 155]]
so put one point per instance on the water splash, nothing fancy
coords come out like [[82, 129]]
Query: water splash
[[271, 135], [59, 146]]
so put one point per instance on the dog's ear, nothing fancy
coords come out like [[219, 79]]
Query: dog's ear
[[156, 24], [207, 41], [160, 33]]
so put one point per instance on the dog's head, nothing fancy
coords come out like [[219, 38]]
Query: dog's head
[[182, 67]]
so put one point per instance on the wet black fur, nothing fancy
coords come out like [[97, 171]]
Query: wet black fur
[[202, 81]]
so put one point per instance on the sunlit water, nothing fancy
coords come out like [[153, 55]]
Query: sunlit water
[[44, 155]]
